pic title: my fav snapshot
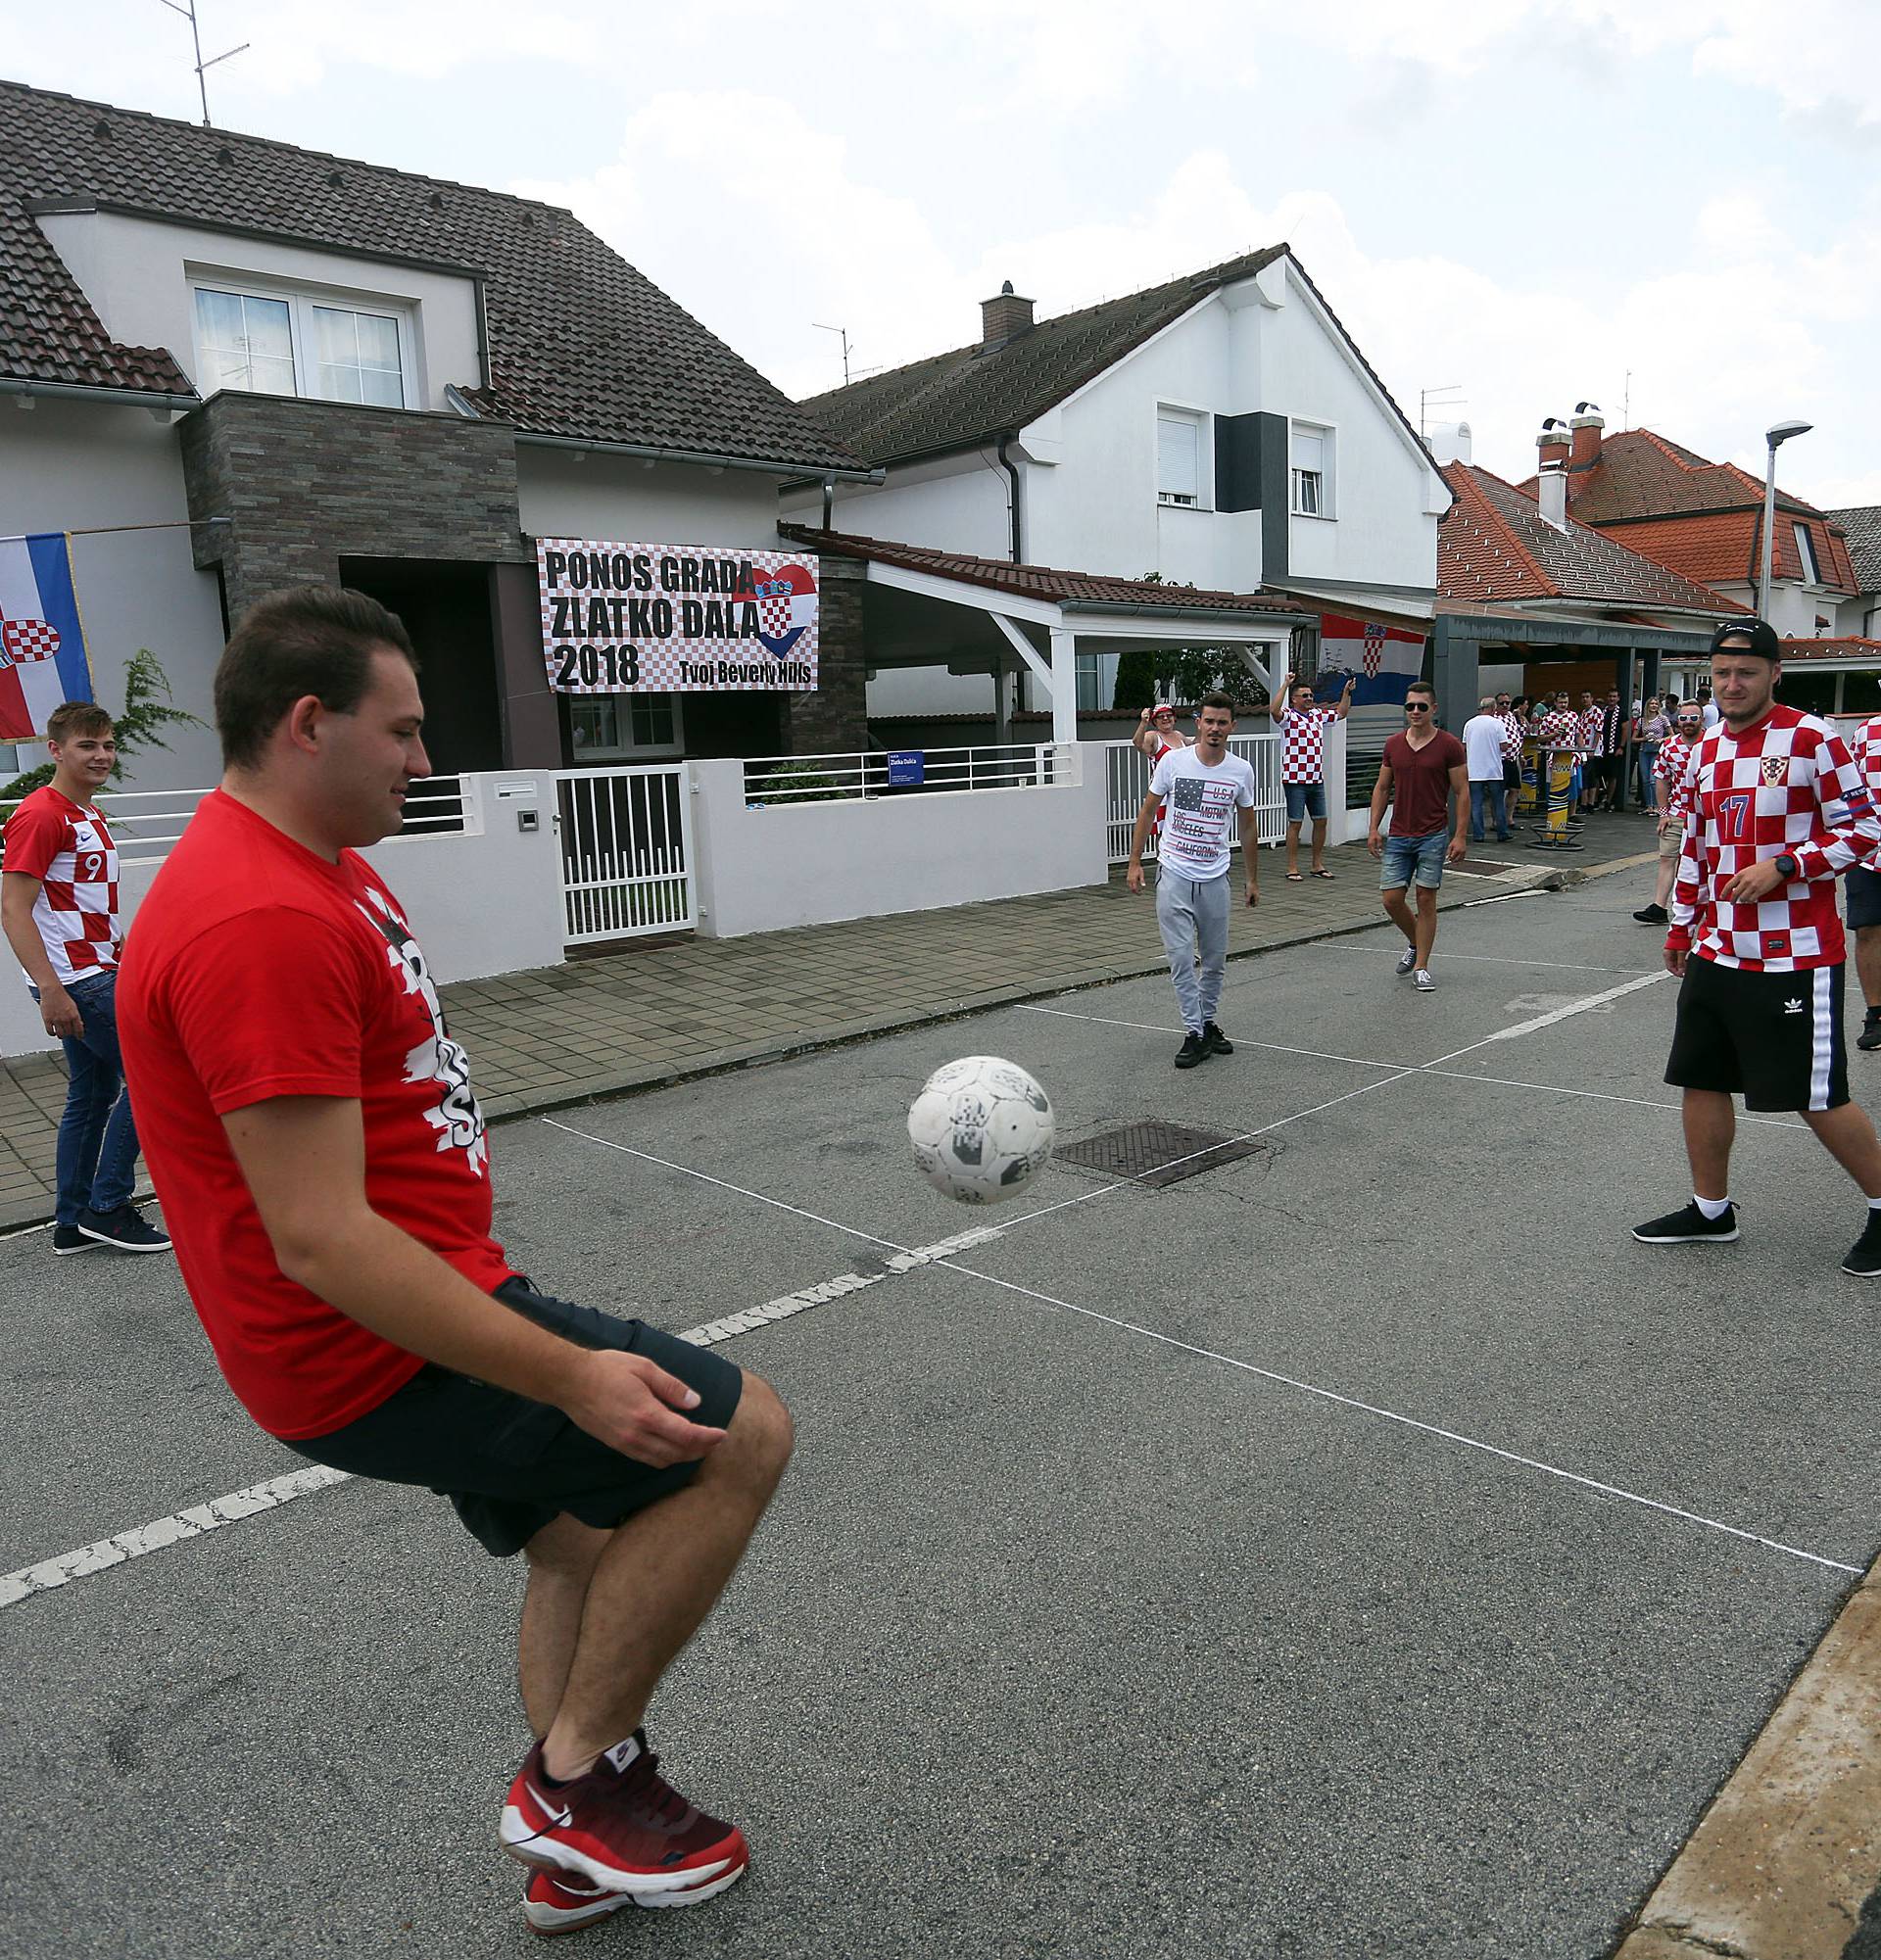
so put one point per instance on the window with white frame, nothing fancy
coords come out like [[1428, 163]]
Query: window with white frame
[[1312, 469], [608, 726], [1806, 552], [1178, 458], [279, 342]]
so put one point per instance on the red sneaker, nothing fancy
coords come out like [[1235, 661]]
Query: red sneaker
[[621, 1826], [555, 1904]]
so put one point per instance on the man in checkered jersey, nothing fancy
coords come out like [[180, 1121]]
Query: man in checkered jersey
[[1864, 897], [1303, 725], [1775, 808], [59, 909]]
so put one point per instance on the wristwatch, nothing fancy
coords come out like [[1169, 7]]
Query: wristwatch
[[1787, 864]]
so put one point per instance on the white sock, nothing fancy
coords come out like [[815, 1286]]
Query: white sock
[[1874, 1204], [1715, 1208]]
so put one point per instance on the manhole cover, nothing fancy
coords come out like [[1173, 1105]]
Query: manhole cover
[[1156, 1153]]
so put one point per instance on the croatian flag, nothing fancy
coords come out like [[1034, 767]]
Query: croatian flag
[[1383, 659], [42, 646]]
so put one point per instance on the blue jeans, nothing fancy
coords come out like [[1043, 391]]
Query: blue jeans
[[1408, 858], [1489, 793], [1647, 755], [96, 1159], [1192, 917], [1303, 800]]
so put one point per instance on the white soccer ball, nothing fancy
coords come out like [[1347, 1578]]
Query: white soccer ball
[[981, 1129]]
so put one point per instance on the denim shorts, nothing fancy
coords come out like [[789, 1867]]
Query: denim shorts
[[1303, 800], [1406, 858]]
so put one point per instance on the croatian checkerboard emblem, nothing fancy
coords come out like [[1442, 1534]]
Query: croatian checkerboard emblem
[[786, 606], [25, 640], [1775, 768], [1374, 651]]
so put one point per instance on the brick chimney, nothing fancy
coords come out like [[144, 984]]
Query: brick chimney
[[1002, 317], [1584, 429], [1553, 442]]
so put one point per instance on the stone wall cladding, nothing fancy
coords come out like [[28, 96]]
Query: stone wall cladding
[[833, 719], [306, 483]]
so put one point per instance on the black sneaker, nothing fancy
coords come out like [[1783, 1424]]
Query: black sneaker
[[1408, 962], [69, 1238], [1652, 915], [1870, 1035], [1689, 1226], [123, 1229], [1865, 1256], [1194, 1049], [1218, 1043]]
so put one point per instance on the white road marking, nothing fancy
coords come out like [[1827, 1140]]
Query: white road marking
[[165, 1531], [1478, 959]]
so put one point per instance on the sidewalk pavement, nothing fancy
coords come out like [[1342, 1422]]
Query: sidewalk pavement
[[664, 1010]]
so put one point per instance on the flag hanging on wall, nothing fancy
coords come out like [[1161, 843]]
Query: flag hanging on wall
[[1383, 661], [42, 646]]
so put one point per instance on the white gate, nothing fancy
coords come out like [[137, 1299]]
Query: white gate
[[626, 838], [1127, 784]]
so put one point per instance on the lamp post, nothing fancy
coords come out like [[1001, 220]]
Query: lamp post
[[1775, 434]]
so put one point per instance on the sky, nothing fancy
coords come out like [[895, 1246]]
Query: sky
[[1668, 207]]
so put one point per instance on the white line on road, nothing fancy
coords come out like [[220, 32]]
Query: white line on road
[[1479, 959]]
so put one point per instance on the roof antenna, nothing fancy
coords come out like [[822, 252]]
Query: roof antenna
[[818, 324], [1430, 397], [189, 14]]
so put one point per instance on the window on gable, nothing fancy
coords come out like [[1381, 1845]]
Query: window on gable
[[1312, 469], [1806, 552], [1179, 459], [290, 343]]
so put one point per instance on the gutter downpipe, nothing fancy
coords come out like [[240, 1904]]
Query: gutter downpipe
[[1002, 726], [829, 503]]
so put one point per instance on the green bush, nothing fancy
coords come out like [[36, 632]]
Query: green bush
[[804, 785]]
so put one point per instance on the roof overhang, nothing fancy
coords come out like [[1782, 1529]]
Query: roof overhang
[[1415, 606], [1517, 626], [696, 458]]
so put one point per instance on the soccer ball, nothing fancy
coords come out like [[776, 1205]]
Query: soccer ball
[[980, 1128]]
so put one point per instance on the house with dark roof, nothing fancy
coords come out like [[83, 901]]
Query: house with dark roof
[[1861, 528], [229, 364], [1700, 518], [1221, 430]]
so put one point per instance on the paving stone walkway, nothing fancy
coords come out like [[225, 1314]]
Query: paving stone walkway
[[657, 1012]]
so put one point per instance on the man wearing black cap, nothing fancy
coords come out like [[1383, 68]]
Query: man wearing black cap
[[1776, 808]]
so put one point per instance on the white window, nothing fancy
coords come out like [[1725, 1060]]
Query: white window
[[607, 726], [1312, 470], [1806, 551], [291, 343], [1178, 458]]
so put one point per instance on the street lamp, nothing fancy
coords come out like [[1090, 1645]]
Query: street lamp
[[1777, 432]]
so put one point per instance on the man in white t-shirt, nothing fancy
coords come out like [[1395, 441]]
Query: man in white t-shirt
[[1205, 790], [1485, 739]]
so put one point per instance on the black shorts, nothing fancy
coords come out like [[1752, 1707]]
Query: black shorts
[[1512, 774], [1865, 898], [509, 1465], [1774, 1039]]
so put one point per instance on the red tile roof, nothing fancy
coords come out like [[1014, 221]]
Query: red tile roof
[[1850, 646], [1042, 581], [1496, 546]]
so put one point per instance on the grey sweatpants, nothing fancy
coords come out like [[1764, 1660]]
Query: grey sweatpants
[[1193, 914]]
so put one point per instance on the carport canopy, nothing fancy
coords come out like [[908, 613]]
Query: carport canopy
[[928, 608]]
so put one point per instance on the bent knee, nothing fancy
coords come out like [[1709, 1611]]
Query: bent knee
[[762, 1425]]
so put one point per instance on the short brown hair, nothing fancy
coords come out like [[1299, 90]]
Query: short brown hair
[[1215, 700], [1422, 688], [71, 718], [311, 639]]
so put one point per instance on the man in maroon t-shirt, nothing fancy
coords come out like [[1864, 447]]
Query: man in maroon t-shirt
[[1424, 769], [321, 1157]]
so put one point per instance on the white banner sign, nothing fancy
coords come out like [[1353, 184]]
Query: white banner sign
[[675, 618]]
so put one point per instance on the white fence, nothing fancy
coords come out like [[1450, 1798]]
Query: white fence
[[914, 772], [1127, 772], [626, 844]]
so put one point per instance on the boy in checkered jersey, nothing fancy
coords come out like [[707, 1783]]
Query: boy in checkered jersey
[[1775, 808], [1303, 724], [59, 908]]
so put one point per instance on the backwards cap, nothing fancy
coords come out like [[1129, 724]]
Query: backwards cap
[[1758, 632]]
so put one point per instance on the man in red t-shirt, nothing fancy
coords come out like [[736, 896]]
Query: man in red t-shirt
[[1424, 768], [59, 908], [324, 1163]]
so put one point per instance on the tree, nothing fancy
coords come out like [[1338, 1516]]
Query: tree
[[1187, 673], [1135, 687], [147, 708]]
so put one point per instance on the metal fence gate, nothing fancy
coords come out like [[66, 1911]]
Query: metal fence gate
[[1127, 784], [626, 838]]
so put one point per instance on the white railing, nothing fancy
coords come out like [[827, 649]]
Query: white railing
[[910, 772], [626, 843], [1126, 771]]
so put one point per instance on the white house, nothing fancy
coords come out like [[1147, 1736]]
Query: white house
[[228, 365], [1221, 431]]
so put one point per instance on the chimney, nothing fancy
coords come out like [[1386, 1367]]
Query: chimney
[[1552, 488], [1553, 442], [1449, 442], [1585, 428], [1002, 317]]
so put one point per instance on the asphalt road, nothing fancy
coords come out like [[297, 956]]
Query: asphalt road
[[1334, 1553]]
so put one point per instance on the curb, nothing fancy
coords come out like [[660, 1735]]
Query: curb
[[1790, 1847]]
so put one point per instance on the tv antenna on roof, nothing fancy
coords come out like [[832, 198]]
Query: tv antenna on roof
[[1427, 397], [188, 13], [819, 326]]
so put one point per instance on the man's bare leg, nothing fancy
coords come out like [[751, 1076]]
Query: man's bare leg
[[657, 1577], [1710, 1129], [1867, 963], [1662, 881], [1319, 843], [1426, 933], [1293, 850], [1400, 914], [1848, 1137], [561, 1556]]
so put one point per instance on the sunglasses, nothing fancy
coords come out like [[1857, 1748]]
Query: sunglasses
[[1417, 707]]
